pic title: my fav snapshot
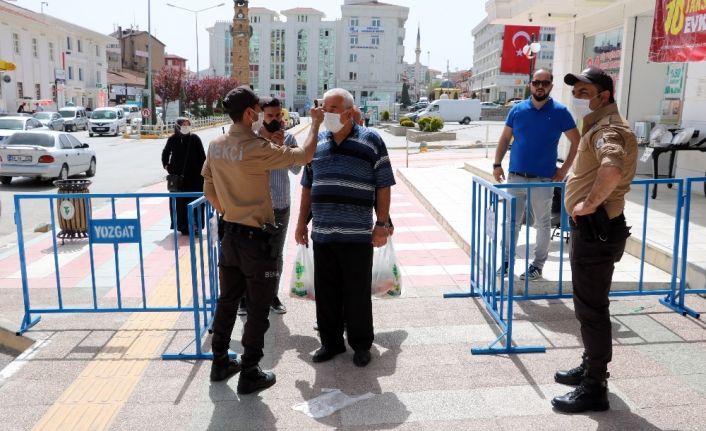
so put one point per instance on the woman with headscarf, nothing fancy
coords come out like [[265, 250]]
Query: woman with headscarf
[[184, 155]]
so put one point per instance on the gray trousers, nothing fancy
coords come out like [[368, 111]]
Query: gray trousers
[[541, 209], [281, 218]]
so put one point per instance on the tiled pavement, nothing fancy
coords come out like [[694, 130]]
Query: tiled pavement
[[422, 374]]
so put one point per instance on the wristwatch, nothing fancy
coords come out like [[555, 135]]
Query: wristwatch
[[497, 165], [386, 224]]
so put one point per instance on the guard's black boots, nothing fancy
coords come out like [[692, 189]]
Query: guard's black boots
[[254, 379], [571, 377], [590, 395], [223, 368]]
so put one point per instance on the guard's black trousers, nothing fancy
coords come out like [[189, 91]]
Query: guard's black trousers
[[245, 265], [592, 266], [342, 280]]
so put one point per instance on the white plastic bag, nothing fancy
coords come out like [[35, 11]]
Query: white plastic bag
[[330, 401], [387, 280], [213, 228], [302, 283]]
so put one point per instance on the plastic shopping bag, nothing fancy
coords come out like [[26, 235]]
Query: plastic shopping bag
[[387, 280], [302, 283], [213, 229]]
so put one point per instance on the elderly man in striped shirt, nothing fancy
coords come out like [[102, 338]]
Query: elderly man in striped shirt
[[350, 176], [273, 129]]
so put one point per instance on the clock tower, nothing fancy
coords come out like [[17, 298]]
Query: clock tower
[[240, 52]]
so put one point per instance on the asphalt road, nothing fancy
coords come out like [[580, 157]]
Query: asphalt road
[[123, 166]]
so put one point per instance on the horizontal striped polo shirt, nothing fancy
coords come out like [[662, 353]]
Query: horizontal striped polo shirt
[[343, 179]]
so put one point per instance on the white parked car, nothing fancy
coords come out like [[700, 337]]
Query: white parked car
[[16, 123], [44, 155], [106, 121], [51, 120], [490, 105]]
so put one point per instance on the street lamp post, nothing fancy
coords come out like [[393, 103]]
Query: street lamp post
[[196, 19]]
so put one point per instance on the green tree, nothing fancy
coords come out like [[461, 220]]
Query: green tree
[[405, 100]]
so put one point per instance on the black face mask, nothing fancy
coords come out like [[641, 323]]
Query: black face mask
[[272, 126]]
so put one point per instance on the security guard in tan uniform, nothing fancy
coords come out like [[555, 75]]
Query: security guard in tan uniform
[[236, 183], [595, 198]]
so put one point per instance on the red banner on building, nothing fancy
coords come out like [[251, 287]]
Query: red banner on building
[[679, 31], [516, 37]]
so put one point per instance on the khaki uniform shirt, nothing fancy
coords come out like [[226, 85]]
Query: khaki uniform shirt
[[237, 170], [606, 140]]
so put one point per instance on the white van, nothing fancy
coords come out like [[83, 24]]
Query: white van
[[463, 110], [106, 121], [75, 117], [130, 112]]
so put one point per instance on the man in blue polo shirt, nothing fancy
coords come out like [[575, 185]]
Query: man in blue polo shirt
[[536, 124], [348, 177]]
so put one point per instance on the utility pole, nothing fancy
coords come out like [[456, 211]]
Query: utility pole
[[150, 85]]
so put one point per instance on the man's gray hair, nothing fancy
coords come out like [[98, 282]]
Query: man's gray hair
[[348, 100]]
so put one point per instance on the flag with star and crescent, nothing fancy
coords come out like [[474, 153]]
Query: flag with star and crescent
[[516, 37]]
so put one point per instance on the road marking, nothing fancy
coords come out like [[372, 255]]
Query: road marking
[[93, 400]]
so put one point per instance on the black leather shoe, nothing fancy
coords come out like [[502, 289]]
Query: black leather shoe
[[590, 395], [277, 307], [222, 371], [254, 379], [325, 354], [361, 358], [571, 377]]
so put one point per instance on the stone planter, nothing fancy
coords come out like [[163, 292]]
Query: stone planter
[[418, 136], [397, 130]]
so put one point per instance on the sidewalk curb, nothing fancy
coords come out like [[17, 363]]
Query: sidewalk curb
[[9, 338], [457, 238]]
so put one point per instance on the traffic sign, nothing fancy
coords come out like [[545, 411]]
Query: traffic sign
[[146, 112]]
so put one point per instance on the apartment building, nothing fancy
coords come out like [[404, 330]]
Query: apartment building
[[296, 55], [55, 60]]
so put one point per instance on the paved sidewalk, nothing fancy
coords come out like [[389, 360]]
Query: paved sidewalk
[[104, 371]]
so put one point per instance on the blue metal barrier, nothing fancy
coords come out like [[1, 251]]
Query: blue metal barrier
[[484, 254], [488, 204], [679, 306], [119, 231], [207, 291]]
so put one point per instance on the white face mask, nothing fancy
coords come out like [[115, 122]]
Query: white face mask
[[258, 123], [332, 121], [581, 107], [185, 130]]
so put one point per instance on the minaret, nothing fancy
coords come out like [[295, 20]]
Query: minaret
[[240, 51], [417, 65]]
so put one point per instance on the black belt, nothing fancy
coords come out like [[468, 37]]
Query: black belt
[[522, 174], [245, 230], [619, 219]]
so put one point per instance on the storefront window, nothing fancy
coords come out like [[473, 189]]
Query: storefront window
[[604, 50]]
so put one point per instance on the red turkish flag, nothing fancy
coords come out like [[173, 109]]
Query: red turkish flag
[[516, 37]]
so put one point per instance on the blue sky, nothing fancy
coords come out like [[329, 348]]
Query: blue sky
[[445, 24]]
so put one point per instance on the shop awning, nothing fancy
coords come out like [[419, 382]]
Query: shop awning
[[6, 65]]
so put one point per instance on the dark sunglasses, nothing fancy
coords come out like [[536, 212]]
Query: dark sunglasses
[[543, 83]]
